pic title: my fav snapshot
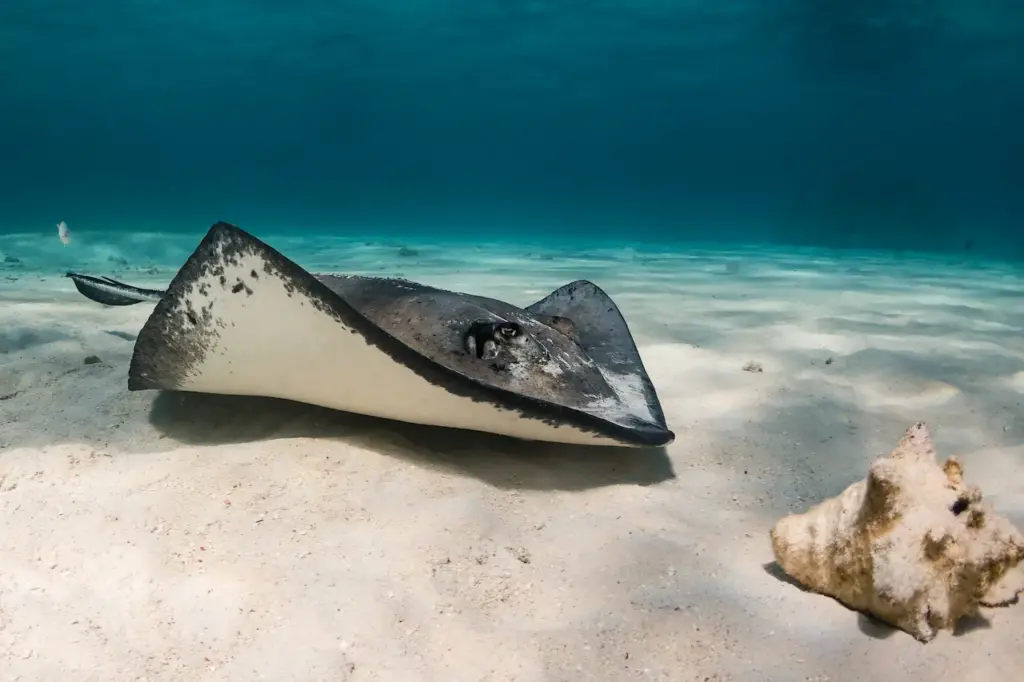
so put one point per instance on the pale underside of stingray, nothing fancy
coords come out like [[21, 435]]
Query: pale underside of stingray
[[239, 318]]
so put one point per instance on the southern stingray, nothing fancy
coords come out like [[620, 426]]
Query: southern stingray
[[239, 318]]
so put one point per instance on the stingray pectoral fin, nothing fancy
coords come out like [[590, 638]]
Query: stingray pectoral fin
[[601, 331], [111, 292], [239, 318]]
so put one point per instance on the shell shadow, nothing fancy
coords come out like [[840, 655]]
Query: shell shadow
[[206, 419]]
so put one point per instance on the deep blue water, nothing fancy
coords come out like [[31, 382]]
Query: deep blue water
[[863, 123]]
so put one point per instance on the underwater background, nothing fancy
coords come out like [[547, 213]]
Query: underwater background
[[878, 124]]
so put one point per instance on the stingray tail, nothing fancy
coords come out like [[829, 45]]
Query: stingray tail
[[111, 292]]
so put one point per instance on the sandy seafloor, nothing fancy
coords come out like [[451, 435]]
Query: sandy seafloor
[[201, 538]]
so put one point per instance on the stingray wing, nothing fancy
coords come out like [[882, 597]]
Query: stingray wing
[[601, 331], [240, 318], [545, 364]]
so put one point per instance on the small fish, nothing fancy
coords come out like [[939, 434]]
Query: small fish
[[63, 233]]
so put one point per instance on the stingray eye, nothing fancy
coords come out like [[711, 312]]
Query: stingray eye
[[509, 330]]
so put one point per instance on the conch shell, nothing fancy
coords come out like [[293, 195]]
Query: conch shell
[[911, 544]]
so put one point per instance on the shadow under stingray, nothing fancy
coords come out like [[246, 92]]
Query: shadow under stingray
[[208, 419]]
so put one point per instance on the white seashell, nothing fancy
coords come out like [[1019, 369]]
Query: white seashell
[[911, 544]]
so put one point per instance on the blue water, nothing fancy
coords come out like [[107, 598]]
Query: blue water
[[840, 123]]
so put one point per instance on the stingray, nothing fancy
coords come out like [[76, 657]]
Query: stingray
[[239, 318]]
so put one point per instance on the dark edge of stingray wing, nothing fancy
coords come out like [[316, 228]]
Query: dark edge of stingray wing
[[602, 333], [111, 292], [158, 351]]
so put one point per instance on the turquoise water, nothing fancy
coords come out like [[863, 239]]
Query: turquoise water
[[850, 124]]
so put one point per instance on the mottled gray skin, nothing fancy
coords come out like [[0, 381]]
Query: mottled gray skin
[[587, 314], [540, 361]]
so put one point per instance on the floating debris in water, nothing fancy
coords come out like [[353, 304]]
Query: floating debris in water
[[64, 233]]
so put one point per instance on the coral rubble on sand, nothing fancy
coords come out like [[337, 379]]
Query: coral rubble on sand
[[911, 544]]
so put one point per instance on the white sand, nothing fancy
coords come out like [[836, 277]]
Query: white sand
[[201, 538]]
